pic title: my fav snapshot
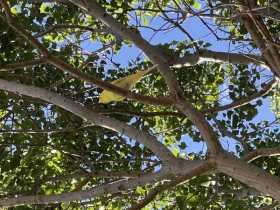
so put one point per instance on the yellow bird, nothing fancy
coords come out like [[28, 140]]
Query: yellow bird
[[127, 82]]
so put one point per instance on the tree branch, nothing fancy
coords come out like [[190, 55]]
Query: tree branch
[[136, 113], [185, 170], [23, 64], [217, 57], [204, 127], [151, 196], [261, 38], [123, 174], [266, 11], [229, 134], [250, 175], [56, 27], [111, 188], [262, 152], [266, 88], [149, 141]]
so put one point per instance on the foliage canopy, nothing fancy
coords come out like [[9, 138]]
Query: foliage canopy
[[197, 132]]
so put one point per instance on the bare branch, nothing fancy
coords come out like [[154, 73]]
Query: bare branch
[[262, 152], [24, 64], [123, 174], [217, 57], [245, 100]]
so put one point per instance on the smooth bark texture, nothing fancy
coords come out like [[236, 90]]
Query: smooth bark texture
[[217, 57], [250, 175]]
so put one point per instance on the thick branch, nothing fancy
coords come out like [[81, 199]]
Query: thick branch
[[87, 114], [186, 171], [250, 175], [205, 129], [261, 38], [217, 57]]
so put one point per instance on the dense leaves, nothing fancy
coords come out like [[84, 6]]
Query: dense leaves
[[46, 150]]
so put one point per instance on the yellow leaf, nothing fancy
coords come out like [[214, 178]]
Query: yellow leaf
[[127, 82]]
